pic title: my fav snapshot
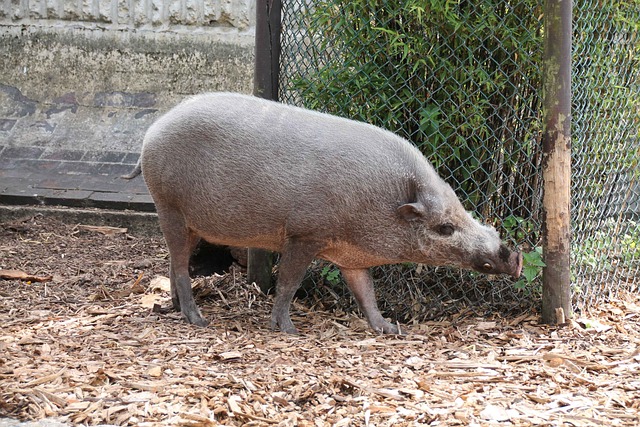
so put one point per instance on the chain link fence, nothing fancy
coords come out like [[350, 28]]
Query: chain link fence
[[606, 150], [462, 80]]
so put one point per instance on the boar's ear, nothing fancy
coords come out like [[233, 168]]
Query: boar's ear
[[411, 211]]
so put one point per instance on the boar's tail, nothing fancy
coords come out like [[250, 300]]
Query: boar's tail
[[137, 170]]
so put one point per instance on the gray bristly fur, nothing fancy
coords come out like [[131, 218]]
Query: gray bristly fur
[[242, 171]]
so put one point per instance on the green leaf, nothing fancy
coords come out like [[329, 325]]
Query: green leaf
[[530, 273]]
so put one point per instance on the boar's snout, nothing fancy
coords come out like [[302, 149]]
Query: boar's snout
[[506, 262]]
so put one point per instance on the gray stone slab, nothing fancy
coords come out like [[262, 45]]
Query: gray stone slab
[[122, 198], [68, 155], [56, 181], [18, 190], [131, 158], [114, 169], [31, 165], [7, 175], [52, 196], [20, 195], [60, 180], [138, 187], [102, 184], [78, 167], [42, 166], [7, 124], [22, 152], [104, 156]]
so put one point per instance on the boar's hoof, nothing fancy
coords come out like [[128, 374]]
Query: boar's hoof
[[283, 325], [195, 319], [201, 322], [385, 327]]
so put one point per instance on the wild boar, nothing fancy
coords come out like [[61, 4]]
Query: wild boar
[[242, 171]]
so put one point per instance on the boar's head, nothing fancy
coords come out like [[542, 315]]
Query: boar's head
[[444, 233]]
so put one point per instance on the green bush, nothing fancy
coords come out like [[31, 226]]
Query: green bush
[[463, 80], [457, 78]]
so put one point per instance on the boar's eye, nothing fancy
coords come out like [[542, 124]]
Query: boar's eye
[[445, 229]]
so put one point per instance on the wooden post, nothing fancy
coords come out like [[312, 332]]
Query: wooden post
[[556, 280], [265, 85], [267, 49]]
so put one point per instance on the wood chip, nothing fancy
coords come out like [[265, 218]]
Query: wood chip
[[230, 355], [90, 351], [21, 275]]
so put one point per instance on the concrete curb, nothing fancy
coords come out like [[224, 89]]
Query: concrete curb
[[145, 223]]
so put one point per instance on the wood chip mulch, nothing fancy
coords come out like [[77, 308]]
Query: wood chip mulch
[[85, 346]]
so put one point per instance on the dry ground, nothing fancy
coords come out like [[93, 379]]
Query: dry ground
[[86, 346]]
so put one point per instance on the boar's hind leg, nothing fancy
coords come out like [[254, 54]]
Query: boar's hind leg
[[360, 283], [294, 259], [181, 242]]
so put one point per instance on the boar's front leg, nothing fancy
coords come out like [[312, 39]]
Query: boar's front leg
[[360, 283], [294, 260]]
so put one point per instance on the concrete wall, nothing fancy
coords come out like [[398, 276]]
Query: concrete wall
[[94, 74]]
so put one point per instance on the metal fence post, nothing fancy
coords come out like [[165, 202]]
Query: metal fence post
[[265, 85], [556, 286]]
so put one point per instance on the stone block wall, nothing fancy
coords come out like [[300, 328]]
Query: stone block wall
[[239, 14], [94, 74]]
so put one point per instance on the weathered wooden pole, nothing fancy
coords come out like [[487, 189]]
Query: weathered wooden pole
[[556, 279], [265, 85], [267, 49]]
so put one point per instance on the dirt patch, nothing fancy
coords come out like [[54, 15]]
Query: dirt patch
[[88, 347]]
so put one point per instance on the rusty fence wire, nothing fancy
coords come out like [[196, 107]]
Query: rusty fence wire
[[606, 150], [462, 80]]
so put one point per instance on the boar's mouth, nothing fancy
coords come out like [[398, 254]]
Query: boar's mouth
[[507, 263]]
